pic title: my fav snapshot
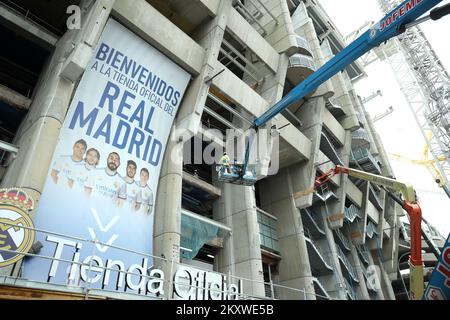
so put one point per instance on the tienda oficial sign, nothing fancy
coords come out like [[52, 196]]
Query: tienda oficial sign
[[188, 283]]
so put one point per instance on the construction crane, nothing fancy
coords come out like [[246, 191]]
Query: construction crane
[[429, 164], [424, 83], [396, 22]]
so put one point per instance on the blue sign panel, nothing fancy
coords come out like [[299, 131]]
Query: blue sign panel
[[439, 285]]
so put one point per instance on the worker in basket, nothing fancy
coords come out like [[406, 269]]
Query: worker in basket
[[225, 162]]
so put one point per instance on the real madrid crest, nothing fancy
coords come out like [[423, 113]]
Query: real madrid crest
[[16, 227]]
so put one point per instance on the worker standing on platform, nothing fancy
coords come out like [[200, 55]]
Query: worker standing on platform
[[225, 162]]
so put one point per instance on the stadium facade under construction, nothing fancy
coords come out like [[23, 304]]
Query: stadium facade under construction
[[278, 239]]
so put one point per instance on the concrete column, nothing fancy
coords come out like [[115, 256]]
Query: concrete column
[[336, 208], [358, 230], [280, 32], [167, 223], [304, 26], [386, 169], [369, 129], [38, 134], [381, 221], [168, 203], [380, 294], [337, 291], [210, 38], [241, 253], [386, 290], [390, 247], [303, 174], [294, 269], [386, 284], [272, 87], [349, 121], [363, 293]]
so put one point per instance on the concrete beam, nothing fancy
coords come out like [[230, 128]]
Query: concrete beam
[[353, 193], [334, 127], [81, 54], [160, 32], [14, 98], [27, 27], [372, 213], [280, 32], [210, 38], [239, 92], [205, 186], [242, 30], [211, 5], [311, 116], [296, 139]]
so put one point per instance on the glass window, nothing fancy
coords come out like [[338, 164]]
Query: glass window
[[268, 232]]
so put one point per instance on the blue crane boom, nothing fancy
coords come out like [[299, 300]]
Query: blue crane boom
[[390, 26], [408, 13], [396, 22]]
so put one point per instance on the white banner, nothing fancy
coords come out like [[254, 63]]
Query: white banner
[[104, 175]]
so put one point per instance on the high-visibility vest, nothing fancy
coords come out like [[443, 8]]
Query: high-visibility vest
[[225, 160]]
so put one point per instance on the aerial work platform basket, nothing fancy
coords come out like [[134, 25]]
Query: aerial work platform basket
[[234, 174]]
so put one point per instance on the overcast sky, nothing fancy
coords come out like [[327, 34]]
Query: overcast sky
[[399, 131]]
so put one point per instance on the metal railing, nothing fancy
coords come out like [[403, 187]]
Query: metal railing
[[317, 283], [11, 5], [360, 138], [375, 198], [369, 286], [277, 290], [371, 230], [254, 15], [317, 222], [335, 109], [350, 290], [8, 153], [361, 118], [351, 213], [233, 56], [347, 263], [324, 193], [301, 60], [363, 253], [329, 147], [344, 240], [325, 257], [365, 159], [302, 43]]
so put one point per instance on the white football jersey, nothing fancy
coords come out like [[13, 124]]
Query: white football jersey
[[133, 193], [83, 176], [147, 198], [66, 168], [108, 186]]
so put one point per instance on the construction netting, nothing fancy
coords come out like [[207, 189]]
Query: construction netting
[[194, 234]]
